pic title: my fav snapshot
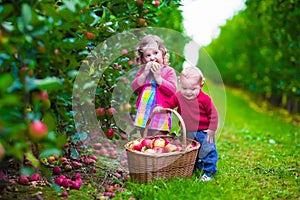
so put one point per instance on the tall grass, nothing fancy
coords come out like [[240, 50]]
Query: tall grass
[[258, 159]]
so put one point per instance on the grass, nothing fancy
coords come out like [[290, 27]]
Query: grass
[[258, 158]]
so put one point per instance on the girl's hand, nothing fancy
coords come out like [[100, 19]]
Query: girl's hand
[[143, 76], [147, 68], [155, 69], [210, 135], [158, 109]]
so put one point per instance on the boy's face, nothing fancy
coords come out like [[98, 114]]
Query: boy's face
[[153, 53], [190, 87]]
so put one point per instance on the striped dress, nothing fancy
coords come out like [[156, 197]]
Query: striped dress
[[147, 103]]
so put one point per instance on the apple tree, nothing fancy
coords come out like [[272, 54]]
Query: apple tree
[[42, 46]]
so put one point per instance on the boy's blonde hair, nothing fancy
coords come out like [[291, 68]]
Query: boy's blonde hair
[[147, 41], [192, 72]]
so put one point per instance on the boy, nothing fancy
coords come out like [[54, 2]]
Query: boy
[[200, 117]]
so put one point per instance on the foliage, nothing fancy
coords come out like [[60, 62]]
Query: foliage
[[42, 46], [258, 49]]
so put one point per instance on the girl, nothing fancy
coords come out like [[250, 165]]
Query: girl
[[155, 83]]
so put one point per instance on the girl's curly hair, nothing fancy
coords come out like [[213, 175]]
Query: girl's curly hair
[[145, 42]]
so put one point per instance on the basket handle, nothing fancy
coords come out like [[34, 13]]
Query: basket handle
[[183, 128]]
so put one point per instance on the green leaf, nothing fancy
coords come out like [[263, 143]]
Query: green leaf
[[26, 14], [74, 153], [9, 99], [50, 121], [34, 161], [50, 152], [5, 81], [25, 170], [79, 137], [48, 83]]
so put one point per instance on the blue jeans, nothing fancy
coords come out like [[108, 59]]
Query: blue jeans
[[207, 154]]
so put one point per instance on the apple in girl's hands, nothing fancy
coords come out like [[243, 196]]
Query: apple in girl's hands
[[155, 66]]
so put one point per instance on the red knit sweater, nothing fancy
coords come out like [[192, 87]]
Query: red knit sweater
[[198, 114]]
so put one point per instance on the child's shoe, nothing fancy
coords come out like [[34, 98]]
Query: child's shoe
[[206, 177]]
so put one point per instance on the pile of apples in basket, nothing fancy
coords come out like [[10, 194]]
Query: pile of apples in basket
[[157, 145]]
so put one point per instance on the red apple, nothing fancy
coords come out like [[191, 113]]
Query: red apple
[[148, 143], [110, 133], [56, 170], [159, 142], [137, 145], [124, 51], [43, 95], [66, 182], [97, 146], [159, 149], [23, 180], [107, 144], [139, 3], [113, 154], [167, 141], [51, 159], [104, 152], [35, 177], [68, 168], [38, 129], [100, 112], [128, 107], [90, 35], [77, 164], [77, 176], [79, 180], [130, 62], [96, 151], [109, 188], [110, 111], [156, 3], [124, 136], [141, 21], [64, 194], [59, 181], [63, 159], [75, 185], [94, 158], [171, 147]]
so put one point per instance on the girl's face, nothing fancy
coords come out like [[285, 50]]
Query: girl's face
[[152, 53], [190, 87]]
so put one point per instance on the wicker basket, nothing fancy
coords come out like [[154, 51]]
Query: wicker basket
[[146, 167]]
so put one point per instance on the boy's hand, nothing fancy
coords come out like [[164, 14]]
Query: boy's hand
[[210, 135]]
